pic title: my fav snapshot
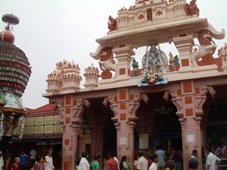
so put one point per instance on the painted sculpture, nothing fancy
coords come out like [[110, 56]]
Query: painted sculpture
[[154, 63], [203, 55], [106, 61]]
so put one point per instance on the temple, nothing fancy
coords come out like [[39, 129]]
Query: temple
[[173, 100]]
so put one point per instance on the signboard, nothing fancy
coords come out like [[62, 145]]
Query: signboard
[[143, 141], [190, 138]]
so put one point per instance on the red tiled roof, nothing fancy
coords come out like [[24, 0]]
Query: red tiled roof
[[28, 110], [43, 109]]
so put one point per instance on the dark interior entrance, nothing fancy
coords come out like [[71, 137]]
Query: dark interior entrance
[[166, 123], [160, 116], [216, 114], [103, 118]]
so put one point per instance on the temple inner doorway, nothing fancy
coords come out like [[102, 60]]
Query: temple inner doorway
[[215, 109], [98, 132], [157, 118]]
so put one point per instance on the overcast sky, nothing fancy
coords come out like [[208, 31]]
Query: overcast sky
[[53, 30]]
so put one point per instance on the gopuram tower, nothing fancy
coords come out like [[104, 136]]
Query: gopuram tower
[[15, 71]]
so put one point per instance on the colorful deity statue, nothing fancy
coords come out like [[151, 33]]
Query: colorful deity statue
[[135, 66], [154, 63]]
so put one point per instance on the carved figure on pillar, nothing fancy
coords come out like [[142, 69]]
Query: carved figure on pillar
[[191, 8], [109, 102], [201, 99], [177, 101], [77, 117], [134, 106], [112, 24]]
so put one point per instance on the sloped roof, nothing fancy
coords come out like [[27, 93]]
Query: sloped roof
[[43, 109]]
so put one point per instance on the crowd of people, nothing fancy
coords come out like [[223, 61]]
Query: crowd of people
[[159, 160], [23, 161], [171, 159], [156, 161]]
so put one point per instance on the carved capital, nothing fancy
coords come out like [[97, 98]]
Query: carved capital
[[199, 102], [133, 106], [79, 108], [178, 102], [109, 101], [200, 99], [144, 97]]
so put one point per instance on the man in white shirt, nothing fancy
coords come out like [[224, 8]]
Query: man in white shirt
[[211, 161], [33, 154], [49, 160], [84, 164], [154, 165], [142, 163]]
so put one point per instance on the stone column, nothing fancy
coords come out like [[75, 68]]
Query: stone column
[[134, 103], [184, 43], [123, 55], [124, 107], [189, 100], [70, 110]]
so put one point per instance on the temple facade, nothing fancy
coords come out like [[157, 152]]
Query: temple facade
[[172, 100]]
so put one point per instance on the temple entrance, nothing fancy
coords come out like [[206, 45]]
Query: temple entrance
[[158, 119], [98, 133], [215, 112], [166, 124]]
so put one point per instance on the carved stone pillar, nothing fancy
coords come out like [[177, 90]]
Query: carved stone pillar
[[184, 43], [70, 110], [189, 100], [124, 107], [134, 103], [123, 56]]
